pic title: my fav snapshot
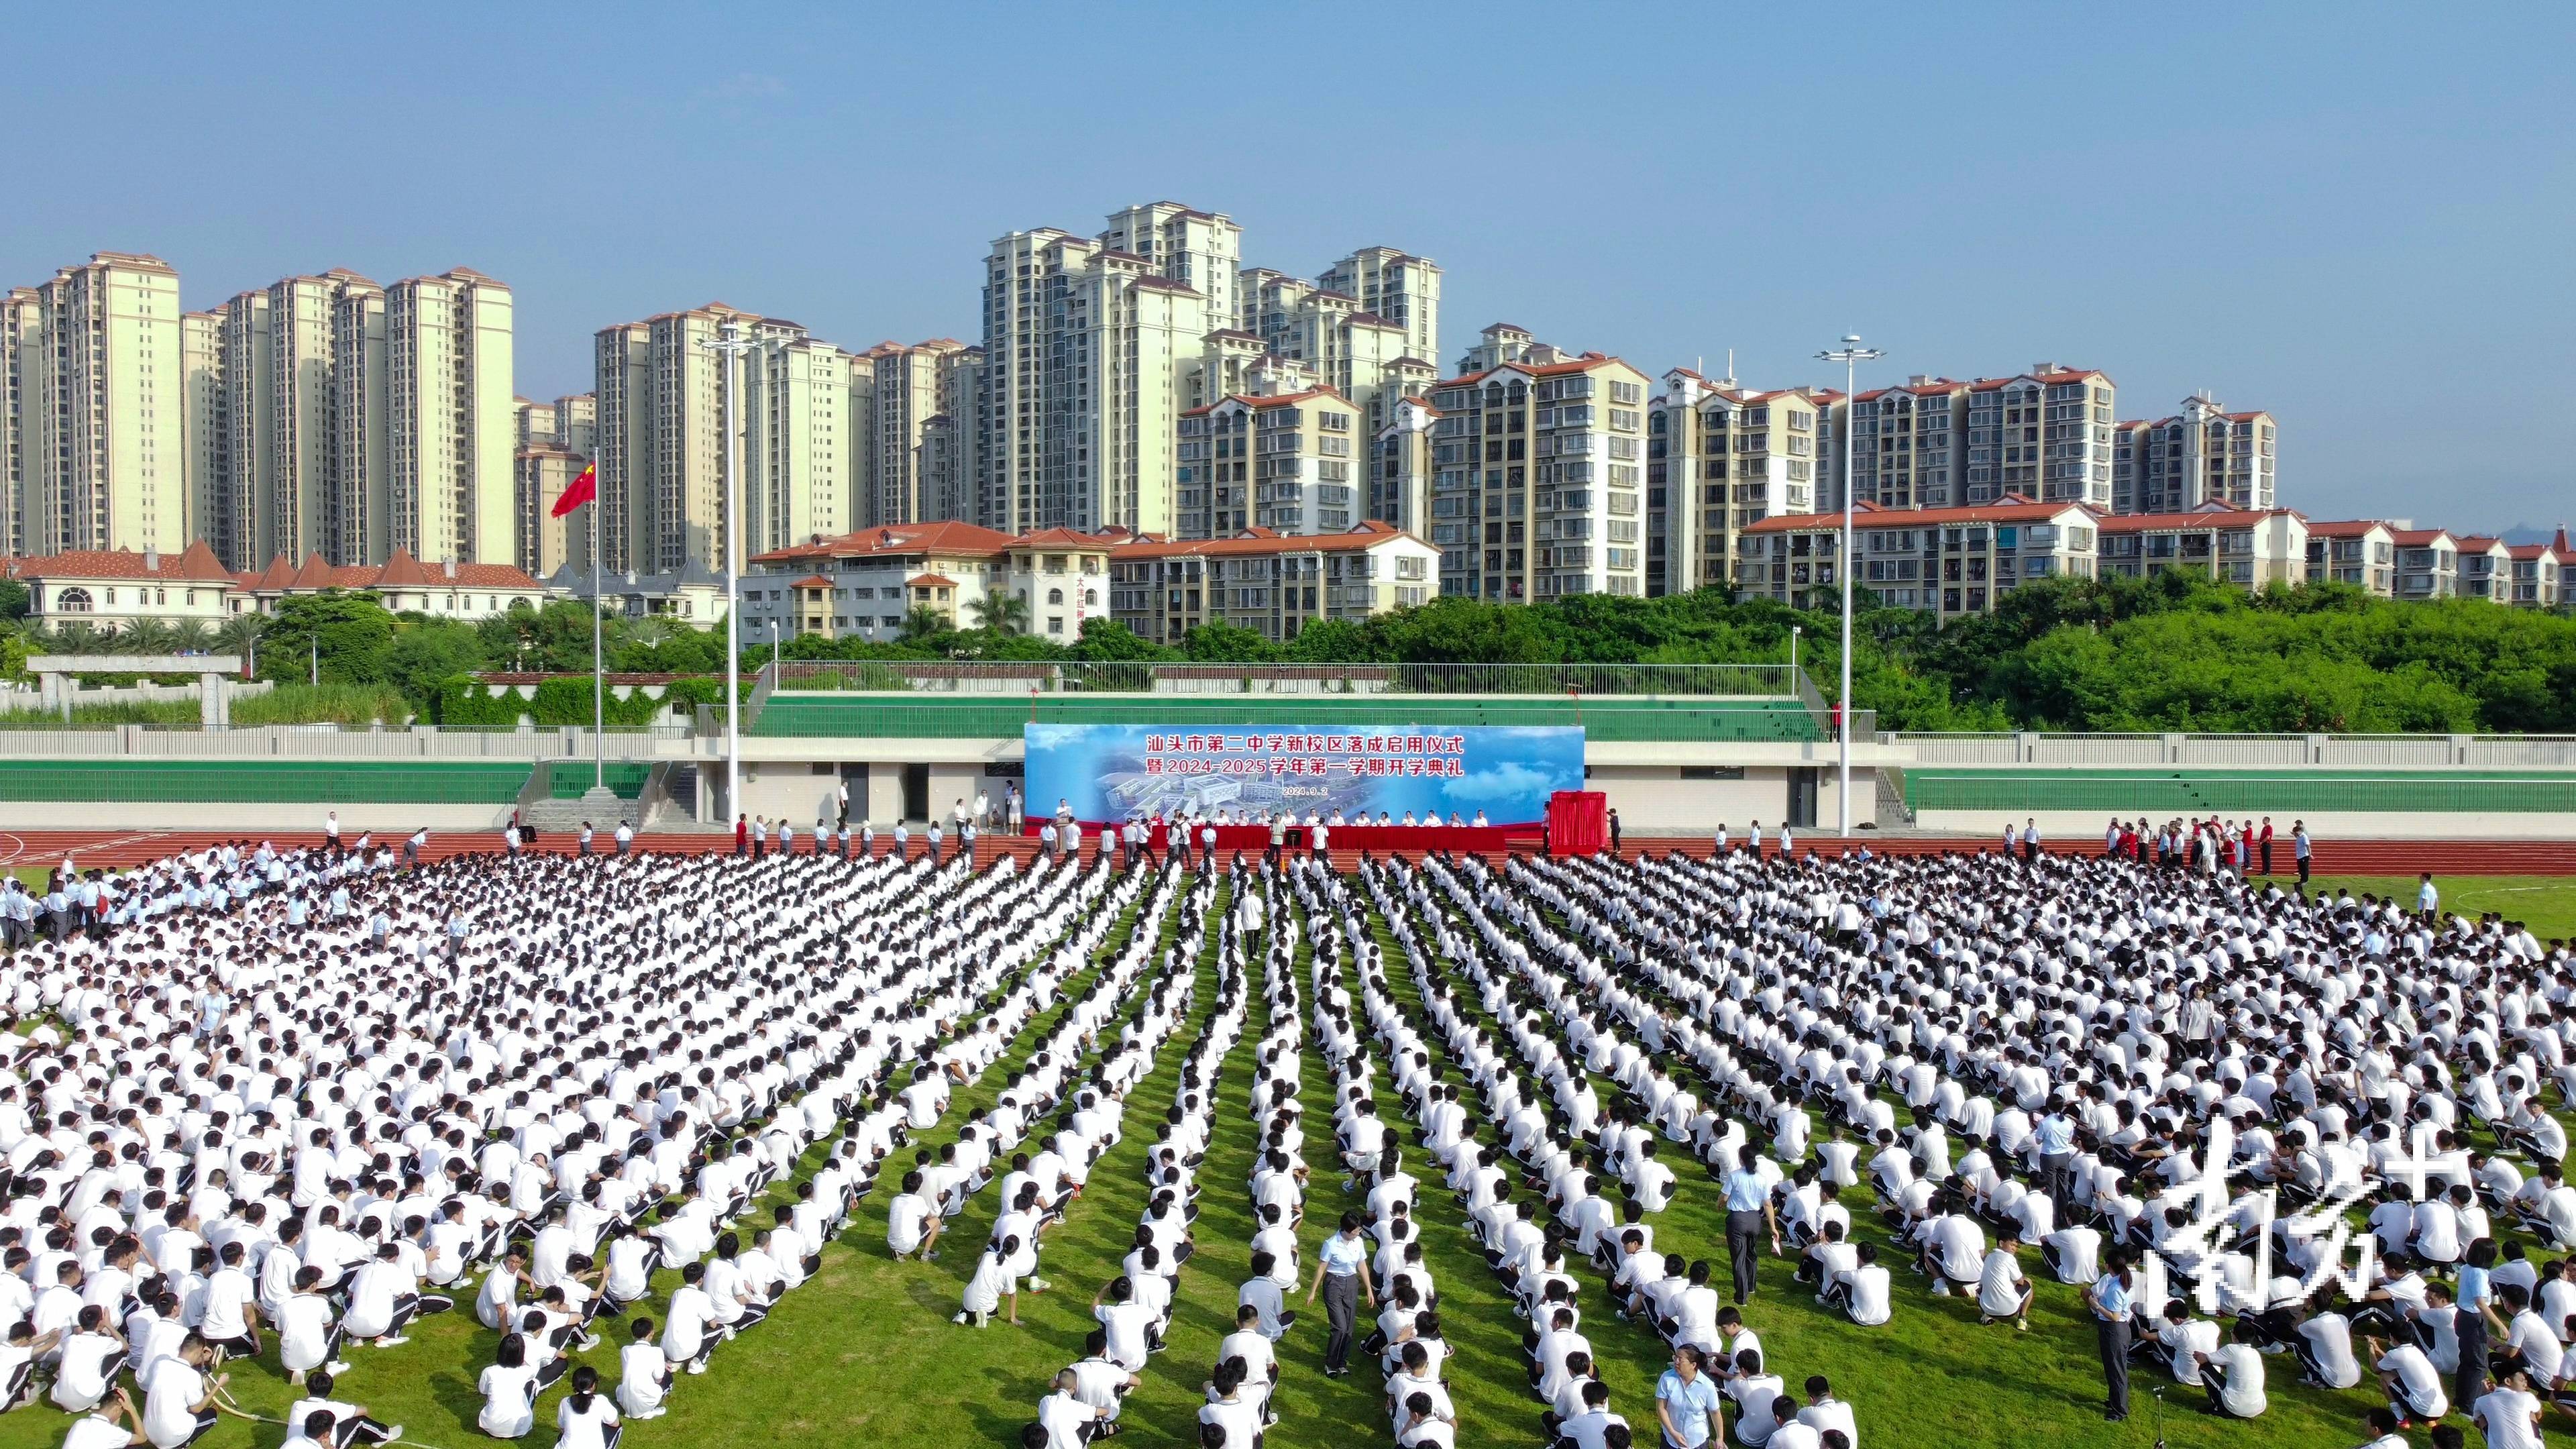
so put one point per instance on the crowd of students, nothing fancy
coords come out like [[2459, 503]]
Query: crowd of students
[[279, 1105], [289, 1102]]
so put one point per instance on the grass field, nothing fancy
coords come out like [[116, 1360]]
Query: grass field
[[2545, 903], [865, 1353]]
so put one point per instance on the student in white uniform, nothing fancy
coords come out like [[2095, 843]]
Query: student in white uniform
[[643, 1374], [2413, 1385], [2234, 1375], [2002, 1291], [586, 1419], [992, 1282], [509, 1389]]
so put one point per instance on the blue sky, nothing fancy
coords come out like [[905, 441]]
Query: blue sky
[[2361, 218]]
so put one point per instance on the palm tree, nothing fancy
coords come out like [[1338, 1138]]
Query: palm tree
[[1003, 613], [145, 636], [921, 621], [76, 636], [192, 636], [240, 633]]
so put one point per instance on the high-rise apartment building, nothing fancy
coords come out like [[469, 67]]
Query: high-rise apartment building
[[1293, 462], [1538, 462], [1085, 349], [356, 494], [96, 419], [450, 348], [22, 363], [798, 432], [201, 352], [537, 426], [1720, 458], [2201, 455], [1910, 444], [2045, 435], [1094, 347], [541, 543], [577, 422], [803, 422], [357, 421], [1400, 473], [914, 386], [622, 393], [1397, 286]]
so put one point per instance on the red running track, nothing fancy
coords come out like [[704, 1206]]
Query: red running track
[[41, 848]]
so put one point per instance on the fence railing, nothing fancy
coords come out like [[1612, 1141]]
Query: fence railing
[[2348, 752], [1004, 677], [325, 742]]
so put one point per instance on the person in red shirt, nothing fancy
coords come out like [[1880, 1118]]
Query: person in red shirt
[[741, 835], [2265, 840]]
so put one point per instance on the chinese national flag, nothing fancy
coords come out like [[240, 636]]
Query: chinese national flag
[[580, 491]]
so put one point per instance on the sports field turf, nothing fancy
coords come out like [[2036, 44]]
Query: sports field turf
[[864, 1354]]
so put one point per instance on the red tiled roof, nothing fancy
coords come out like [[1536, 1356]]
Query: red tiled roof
[[1262, 541], [1586, 363], [2346, 528], [402, 571], [955, 539], [2197, 518], [1276, 400], [2417, 537], [811, 581], [1869, 517], [930, 581], [194, 564], [2529, 551]]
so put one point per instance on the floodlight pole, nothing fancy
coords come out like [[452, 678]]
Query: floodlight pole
[[1851, 355]]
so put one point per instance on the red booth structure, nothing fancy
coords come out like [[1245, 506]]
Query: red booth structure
[[1578, 822]]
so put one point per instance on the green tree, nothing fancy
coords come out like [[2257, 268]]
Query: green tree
[[1105, 640], [349, 633], [1217, 642], [422, 659], [14, 599]]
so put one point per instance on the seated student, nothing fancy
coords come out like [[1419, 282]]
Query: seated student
[[1590, 1428], [1064, 1421], [1417, 1374], [912, 1224], [2413, 1385], [2234, 1377], [2002, 1291], [350, 1423], [1251, 1347], [509, 1389], [1100, 1381], [1862, 1293], [18, 1363], [586, 1419], [1827, 1258], [1753, 1390], [993, 1281], [643, 1374], [2323, 1342], [85, 1369], [1422, 1425], [1229, 1408], [1263, 1293], [689, 1332], [2072, 1254], [2185, 1340]]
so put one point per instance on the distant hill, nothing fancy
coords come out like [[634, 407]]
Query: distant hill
[[2529, 533]]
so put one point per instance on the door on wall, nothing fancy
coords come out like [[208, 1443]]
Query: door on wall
[[916, 792], [1802, 797]]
